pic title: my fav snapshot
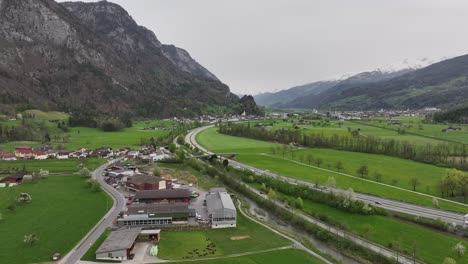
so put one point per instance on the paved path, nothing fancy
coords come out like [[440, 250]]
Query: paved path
[[119, 203], [398, 206]]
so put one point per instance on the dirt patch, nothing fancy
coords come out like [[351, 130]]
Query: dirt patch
[[239, 237]]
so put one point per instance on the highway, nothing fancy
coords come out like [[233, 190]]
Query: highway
[[119, 203], [397, 206]]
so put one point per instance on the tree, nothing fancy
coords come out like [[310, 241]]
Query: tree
[[157, 171], [272, 194], [377, 176], [449, 261], [331, 182], [363, 171], [435, 202], [43, 173], [284, 149], [30, 239], [225, 163], [318, 161], [47, 137], [339, 165], [24, 198], [93, 185], [414, 182], [459, 249], [299, 203], [85, 172], [172, 148]]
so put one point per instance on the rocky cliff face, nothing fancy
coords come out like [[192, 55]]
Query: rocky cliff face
[[78, 55]]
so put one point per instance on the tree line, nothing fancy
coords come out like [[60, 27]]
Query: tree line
[[444, 154]]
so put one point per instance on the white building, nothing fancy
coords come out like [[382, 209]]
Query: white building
[[221, 209]]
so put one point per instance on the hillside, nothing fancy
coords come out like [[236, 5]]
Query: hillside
[[74, 56], [277, 99], [311, 95], [443, 84]]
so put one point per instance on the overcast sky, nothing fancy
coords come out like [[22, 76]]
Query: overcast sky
[[267, 45]]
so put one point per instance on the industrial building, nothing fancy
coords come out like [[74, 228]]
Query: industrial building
[[221, 209], [156, 215], [163, 196]]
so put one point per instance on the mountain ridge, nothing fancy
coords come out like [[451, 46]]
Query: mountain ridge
[[72, 56]]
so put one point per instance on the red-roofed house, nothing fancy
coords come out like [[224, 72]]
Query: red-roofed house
[[7, 156], [23, 152]]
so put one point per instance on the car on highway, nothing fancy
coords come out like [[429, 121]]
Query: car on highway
[[377, 202]]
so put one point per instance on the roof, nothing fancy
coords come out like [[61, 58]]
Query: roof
[[144, 178], [219, 200], [162, 194], [218, 189], [119, 240], [150, 231], [158, 208]]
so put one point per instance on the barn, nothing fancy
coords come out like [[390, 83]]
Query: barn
[[118, 245]]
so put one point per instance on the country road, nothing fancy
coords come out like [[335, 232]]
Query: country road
[[397, 206], [119, 203]]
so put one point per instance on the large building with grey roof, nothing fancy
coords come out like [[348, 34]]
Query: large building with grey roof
[[221, 209], [156, 215], [118, 245]]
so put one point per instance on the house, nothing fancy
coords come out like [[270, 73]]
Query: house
[[221, 209], [62, 155], [7, 156], [141, 182], [160, 154], [163, 196], [132, 154], [23, 152], [40, 155], [156, 214], [13, 179]]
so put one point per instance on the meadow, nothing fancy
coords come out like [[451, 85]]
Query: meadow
[[274, 257], [253, 152], [431, 246], [52, 165], [178, 244], [62, 211]]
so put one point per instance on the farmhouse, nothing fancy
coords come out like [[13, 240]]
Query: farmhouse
[[144, 215], [13, 179], [162, 196], [147, 182], [7, 156], [221, 209]]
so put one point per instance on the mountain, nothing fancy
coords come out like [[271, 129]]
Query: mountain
[[77, 56], [311, 95], [443, 84], [279, 98]]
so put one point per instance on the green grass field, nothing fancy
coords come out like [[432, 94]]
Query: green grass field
[[391, 168], [62, 211], [52, 165], [428, 130], [177, 244], [275, 257], [431, 246]]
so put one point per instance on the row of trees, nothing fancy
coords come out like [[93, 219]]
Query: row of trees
[[446, 154]]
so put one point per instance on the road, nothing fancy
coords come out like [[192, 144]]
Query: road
[[119, 204], [397, 206]]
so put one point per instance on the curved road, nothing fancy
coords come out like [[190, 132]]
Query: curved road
[[397, 206], [119, 204]]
